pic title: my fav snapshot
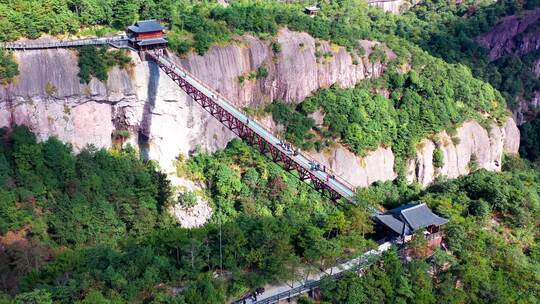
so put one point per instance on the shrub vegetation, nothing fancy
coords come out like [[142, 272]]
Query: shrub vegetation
[[8, 67], [97, 62]]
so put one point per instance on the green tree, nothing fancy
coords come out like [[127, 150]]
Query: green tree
[[94, 297], [438, 158], [38, 296], [125, 13], [8, 67]]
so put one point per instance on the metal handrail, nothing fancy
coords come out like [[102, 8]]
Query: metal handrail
[[362, 262], [216, 95], [69, 43]]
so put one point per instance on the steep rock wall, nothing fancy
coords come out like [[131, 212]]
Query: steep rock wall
[[164, 122], [516, 34], [49, 98], [293, 73], [473, 142], [527, 110], [472, 146]]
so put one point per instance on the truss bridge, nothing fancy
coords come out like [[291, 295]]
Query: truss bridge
[[254, 133]]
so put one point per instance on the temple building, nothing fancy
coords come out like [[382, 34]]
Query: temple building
[[147, 35], [405, 220], [312, 10]]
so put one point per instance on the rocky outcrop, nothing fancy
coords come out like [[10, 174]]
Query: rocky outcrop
[[360, 171], [302, 66], [517, 35], [472, 147], [527, 109], [49, 98], [471, 143], [512, 138], [194, 216], [513, 35]]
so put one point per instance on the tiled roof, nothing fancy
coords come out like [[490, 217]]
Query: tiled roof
[[145, 26], [407, 219]]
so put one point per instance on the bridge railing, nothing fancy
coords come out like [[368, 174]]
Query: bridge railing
[[356, 264], [217, 94], [118, 40]]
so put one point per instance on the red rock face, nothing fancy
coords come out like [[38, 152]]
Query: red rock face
[[517, 34]]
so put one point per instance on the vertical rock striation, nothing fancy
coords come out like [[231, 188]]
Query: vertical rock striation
[[472, 147]]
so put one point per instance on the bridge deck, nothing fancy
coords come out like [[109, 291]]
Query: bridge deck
[[302, 160]]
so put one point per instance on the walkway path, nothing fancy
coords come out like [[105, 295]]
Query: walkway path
[[119, 41], [274, 294]]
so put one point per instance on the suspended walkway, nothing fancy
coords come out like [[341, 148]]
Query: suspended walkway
[[254, 133], [119, 42], [248, 129]]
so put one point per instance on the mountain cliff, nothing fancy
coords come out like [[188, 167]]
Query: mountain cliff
[[518, 35], [513, 35], [163, 122]]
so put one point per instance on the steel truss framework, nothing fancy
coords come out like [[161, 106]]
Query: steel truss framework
[[246, 133]]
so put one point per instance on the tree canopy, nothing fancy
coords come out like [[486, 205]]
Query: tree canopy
[[94, 227]]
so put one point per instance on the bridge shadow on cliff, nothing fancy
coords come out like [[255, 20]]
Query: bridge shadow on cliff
[[146, 121]]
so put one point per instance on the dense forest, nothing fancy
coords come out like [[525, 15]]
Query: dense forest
[[95, 227], [529, 146], [72, 233]]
